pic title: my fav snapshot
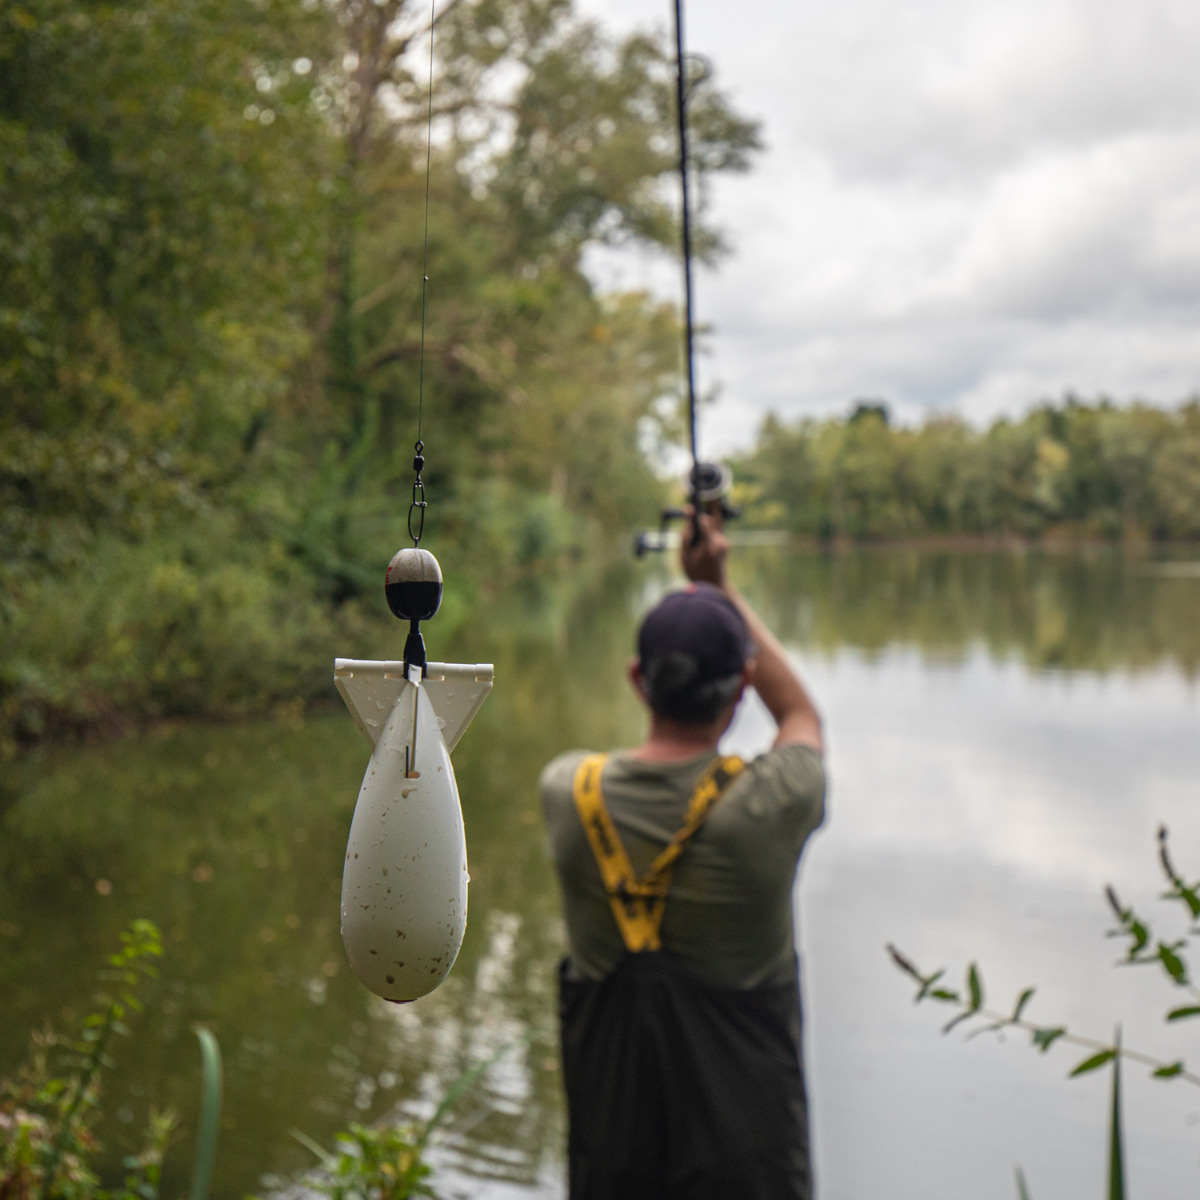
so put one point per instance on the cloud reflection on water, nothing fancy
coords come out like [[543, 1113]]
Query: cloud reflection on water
[[976, 811]]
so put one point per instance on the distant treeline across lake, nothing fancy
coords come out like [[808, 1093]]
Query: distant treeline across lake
[[1073, 469]]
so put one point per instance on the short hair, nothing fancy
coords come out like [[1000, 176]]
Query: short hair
[[670, 687]]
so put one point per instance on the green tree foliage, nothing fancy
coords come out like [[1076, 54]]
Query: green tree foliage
[[149, 233], [211, 258], [1087, 470]]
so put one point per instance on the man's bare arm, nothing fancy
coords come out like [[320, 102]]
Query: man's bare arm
[[775, 679]]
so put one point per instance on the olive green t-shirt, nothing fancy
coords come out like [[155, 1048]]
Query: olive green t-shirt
[[729, 909]]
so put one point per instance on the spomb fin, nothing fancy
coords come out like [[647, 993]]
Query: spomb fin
[[404, 882], [457, 691], [371, 688]]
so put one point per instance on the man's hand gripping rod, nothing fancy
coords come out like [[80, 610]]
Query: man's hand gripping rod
[[708, 485]]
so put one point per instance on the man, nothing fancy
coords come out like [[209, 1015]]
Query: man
[[679, 998]]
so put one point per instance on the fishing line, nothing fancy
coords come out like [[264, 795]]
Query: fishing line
[[689, 327], [419, 505]]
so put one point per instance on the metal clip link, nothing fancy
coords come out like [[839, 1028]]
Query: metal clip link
[[418, 504]]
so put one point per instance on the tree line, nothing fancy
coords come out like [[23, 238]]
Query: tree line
[[1074, 469], [212, 250]]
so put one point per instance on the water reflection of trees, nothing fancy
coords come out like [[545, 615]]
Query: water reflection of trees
[[1098, 610]]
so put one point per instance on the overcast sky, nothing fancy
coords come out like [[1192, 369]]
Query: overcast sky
[[964, 205]]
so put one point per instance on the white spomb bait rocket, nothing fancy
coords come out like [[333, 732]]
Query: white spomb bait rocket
[[404, 882]]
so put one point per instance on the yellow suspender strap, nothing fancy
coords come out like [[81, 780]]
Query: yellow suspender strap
[[638, 903]]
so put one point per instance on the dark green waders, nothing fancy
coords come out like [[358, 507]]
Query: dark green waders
[[676, 1089]]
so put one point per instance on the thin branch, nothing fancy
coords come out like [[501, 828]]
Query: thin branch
[[1085, 1043], [1043, 1035]]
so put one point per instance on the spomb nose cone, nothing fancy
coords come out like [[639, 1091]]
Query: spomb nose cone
[[404, 886]]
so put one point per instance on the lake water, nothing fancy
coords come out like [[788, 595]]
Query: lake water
[[1006, 733]]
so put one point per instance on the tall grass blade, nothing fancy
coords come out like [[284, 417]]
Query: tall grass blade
[[460, 1085], [1022, 1190], [328, 1161], [1116, 1151], [210, 1115]]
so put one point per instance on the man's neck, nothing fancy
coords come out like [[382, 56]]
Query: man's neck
[[674, 741]]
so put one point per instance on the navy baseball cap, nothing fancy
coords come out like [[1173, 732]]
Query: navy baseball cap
[[700, 632]]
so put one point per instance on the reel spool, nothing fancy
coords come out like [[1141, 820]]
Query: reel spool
[[709, 485]]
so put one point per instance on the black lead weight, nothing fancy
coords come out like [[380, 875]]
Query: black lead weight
[[413, 584]]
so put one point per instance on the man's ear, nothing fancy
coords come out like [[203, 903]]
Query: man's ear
[[634, 671]]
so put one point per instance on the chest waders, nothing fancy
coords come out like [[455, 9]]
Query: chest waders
[[676, 1089]]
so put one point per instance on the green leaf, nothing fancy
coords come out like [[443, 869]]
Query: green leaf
[[944, 994], [1094, 1063], [1022, 1000], [1181, 1014], [1179, 890], [1172, 963], [927, 984], [1169, 1072], [993, 1027], [1141, 939], [1045, 1038], [1191, 897], [966, 1015], [975, 986], [906, 965]]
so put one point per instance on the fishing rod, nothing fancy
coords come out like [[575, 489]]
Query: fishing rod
[[708, 483]]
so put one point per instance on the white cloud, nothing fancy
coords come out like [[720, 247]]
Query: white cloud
[[974, 205]]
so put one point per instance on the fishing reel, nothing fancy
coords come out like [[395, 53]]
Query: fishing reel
[[708, 485]]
